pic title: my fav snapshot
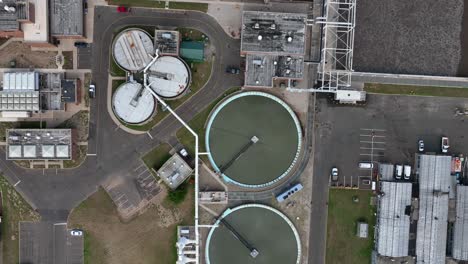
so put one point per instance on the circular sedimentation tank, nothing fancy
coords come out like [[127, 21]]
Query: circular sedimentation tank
[[249, 230], [169, 77], [132, 103], [132, 48], [254, 139]]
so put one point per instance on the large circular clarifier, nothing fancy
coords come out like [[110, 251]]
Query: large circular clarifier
[[132, 49], [169, 77], [132, 103], [253, 138], [250, 230]]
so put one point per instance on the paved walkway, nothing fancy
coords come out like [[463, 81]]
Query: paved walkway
[[405, 79]]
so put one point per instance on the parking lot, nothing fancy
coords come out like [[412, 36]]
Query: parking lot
[[84, 57], [46, 242], [386, 130]]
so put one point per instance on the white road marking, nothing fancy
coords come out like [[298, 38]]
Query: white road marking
[[149, 134], [18, 182], [374, 129], [141, 165], [376, 136], [376, 155], [60, 224], [372, 148], [91, 154], [375, 142]]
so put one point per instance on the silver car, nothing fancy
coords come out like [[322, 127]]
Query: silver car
[[334, 174]]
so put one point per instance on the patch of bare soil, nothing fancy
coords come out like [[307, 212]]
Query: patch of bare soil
[[25, 57]]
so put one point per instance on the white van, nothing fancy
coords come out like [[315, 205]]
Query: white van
[[366, 165], [407, 172], [398, 171]]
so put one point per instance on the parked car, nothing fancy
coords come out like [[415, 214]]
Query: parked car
[[445, 144], [81, 44], [183, 152], [123, 9], [366, 165], [85, 7], [407, 172], [232, 70], [334, 174], [76, 232], [421, 145], [92, 91], [398, 171]]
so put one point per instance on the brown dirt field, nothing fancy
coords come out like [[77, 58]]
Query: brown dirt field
[[26, 58], [149, 238]]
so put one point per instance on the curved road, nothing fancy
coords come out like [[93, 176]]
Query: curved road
[[55, 192]]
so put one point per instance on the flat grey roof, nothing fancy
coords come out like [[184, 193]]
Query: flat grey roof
[[66, 17], [69, 91], [9, 19], [175, 171], [277, 33], [262, 69], [167, 42], [460, 238], [386, 172], [434, 185], [393, 221], [39, 144]]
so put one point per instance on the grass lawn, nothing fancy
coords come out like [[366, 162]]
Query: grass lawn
[[147, 239], [78, 158], [157, 156], [15, 209], [191, 34], [201, 72], [115, 70], [161, 4], [198, 125], [343, 214], [415, 90]]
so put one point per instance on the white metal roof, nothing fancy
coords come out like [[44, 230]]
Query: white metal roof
[[62, 151], [29, 151], [460, 239], [48, 151], [14, 151], [393, 223], [434, 185], [132, 103], [20, 81], [169, 76], [132, 49]]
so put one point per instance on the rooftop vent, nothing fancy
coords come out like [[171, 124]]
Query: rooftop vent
[[289, 39], [256, 26], [273, 26], [259, 37]]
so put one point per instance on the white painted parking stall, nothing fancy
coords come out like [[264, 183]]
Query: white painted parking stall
[[372, 144]]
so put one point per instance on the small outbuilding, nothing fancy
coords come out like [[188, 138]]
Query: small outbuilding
[[175, 171], [192, 51], [362, 230]]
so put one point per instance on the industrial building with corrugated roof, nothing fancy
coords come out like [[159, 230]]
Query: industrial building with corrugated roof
[[393, 220], [66, 18], [273, 33], [274, 46], [39, 144], [434, 187], [460, 233]]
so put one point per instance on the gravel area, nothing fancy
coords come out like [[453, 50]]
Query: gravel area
[[409, 37]]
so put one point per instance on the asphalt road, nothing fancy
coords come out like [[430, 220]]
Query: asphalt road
[[112, 151]]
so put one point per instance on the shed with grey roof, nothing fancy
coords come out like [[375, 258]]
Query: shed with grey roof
[[434, 185], [460, 234], [393, 220], [66, 18]]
